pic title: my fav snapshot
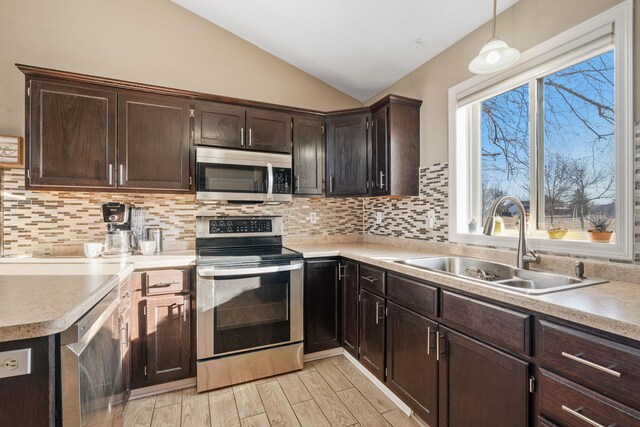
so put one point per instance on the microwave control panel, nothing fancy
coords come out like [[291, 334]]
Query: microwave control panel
[[281, 181], [221, 226]]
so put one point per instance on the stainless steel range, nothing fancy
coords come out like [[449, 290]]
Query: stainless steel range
[[249, 301]]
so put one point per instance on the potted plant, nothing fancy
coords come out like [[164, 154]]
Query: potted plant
[[473, 225], [557, 231], [599, 231]]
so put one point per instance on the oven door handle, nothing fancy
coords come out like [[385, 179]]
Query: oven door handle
[[248, 271], [270, 181]]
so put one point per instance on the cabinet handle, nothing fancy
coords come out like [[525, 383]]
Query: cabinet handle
[[342, 271], [578, 415], [164, 284], [377, 316], [121, 175], [330, 184], [368, 279], [110, 172], [438, 338], [428, 340], [184, 308], [381, 179], [297, 182], [242, 136], [250, 137], [591, 364]]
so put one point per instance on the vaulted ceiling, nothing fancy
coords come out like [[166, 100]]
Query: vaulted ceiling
[[357, 46]]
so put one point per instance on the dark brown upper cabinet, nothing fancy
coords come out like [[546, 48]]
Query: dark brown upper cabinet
[[229, 126], [308, 155], [268, 131], [347, 159], [153, 142], [219, 125], [71, 135], [395, 147]]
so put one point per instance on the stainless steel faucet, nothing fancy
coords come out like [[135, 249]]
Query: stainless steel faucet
[[525, 256]]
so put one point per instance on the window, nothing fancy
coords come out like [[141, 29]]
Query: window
[[555, 132]]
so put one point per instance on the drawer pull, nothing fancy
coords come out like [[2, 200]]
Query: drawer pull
[[591, 364], [578, 415], [164, 284], [368, 279]]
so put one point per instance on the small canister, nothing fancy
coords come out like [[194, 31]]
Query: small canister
[[155, 234]]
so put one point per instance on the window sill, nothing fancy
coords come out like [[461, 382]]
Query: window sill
[[612, 250]]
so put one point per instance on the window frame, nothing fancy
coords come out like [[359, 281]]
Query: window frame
[[570, 47]]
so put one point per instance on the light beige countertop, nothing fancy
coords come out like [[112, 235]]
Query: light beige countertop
[[140, 262], [40, 299], [612, 307]]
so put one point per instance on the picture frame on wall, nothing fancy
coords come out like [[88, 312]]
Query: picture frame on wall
[[11, 151]]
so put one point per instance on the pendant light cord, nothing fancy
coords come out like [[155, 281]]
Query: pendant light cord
[[493, 32]]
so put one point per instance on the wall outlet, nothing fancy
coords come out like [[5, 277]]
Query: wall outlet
[[15, 362], [313, 217], [378, 217], [430, 221]]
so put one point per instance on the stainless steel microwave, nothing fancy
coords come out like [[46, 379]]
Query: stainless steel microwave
[[223, 174]]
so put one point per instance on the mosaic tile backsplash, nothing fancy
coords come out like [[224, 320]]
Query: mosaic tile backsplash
[[407, 216], [33, 221]]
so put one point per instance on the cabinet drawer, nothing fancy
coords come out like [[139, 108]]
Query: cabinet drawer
[[506, 328], [371, 279], [414, 295], [568, 403], [608, 367], [162, 282]]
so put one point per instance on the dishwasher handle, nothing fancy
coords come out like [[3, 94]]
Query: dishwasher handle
[[212, 272]]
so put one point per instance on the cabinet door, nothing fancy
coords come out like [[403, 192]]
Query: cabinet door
[[412, 366], [347, 160], [269, 131], [308, 155], [372, 329], [350, 307], [219, 125], [479, 385], [380, 151], [168, 338], [321, 308], [71, 135], [153, 143]]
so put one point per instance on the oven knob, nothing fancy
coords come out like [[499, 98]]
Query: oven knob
[[229, 230]]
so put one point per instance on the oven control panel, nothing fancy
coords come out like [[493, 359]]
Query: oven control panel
[[222, 226]]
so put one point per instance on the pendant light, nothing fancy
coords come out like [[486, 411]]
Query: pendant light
[[495, 55]]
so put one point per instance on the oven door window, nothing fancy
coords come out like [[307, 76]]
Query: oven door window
[[251, 311], [224, 178]]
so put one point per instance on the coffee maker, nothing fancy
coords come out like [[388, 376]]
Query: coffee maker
[[120, 240]]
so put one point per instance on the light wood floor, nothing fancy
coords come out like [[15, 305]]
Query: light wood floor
[[327, 392]]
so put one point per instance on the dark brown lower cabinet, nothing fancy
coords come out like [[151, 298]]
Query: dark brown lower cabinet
[[412, 366], [479, 385], [372, 333], [28, 400], [168, 338], [162, 332], [350, 294], [321, 305]]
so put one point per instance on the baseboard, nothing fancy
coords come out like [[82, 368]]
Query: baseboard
[[162, 388], [323, 354], [391, 395]]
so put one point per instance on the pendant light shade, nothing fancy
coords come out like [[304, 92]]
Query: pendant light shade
[[495, 55]]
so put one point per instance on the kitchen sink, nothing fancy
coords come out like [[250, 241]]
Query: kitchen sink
[[501, 275]]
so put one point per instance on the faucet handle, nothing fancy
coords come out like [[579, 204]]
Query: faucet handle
[[579, 266], [531, 256]]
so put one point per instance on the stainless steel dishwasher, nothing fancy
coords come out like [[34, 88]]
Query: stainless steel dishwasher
[[91, 374]]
